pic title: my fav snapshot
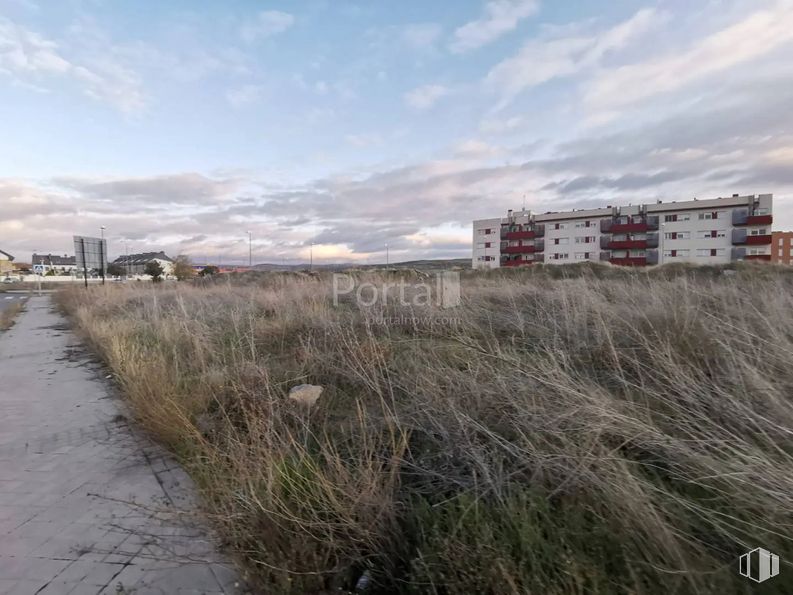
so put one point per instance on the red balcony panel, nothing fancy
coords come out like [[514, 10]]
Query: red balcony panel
[[519, 235], [759, 220], [637, 261], [517, 250], [761, 257], [515, 263], [628, 227], [627, 244], [758, 240]]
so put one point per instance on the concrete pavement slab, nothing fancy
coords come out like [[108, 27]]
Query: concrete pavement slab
[[88, 504]]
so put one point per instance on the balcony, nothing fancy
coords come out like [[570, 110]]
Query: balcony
[[519, 235], [623, 244], [652, 256], [630, 261], [740, 237], [539, 245], [634, 225], [743, 217], [762, 240], [516, 263], [759, 220], [759, 257], [517, 250]]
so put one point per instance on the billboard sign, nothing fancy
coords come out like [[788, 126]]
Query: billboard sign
[[91, 254]]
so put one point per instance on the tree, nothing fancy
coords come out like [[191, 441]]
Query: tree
[[209, 270], [183, 268], [116, 270], [154, 269]]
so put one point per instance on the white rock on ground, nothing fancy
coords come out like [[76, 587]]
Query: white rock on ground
[[306, 394]]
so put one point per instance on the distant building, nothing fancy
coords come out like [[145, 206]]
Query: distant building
[[5, 262], [782, 247], [135, 264], [61, 265], [713, 231]]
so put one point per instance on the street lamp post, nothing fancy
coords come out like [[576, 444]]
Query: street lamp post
[[102, 254]]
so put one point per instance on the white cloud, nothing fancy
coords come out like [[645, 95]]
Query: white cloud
[[759, 34], [364, 140], [245, 95], [502, 126], [266, 24], [425, 97], [501, 16], [421, 36], [554, 56], [27, 58]]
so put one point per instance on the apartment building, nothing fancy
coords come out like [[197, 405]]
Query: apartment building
[[782, 247], [712, 231]]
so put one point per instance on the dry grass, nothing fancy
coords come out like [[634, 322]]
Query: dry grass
[[614, 432], [8, 314]]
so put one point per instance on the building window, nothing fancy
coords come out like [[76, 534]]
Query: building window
[[758, 232], [669, 218], [488, 244], [561, 241]]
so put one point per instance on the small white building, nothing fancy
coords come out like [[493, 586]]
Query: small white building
[[135, 264], [714, 231], [59, 265]]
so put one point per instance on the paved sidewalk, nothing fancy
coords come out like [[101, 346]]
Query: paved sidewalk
[[88, 505]]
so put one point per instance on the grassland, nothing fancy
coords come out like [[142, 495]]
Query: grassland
[[8, 314], [591, 430]]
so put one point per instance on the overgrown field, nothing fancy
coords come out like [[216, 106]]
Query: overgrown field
[[611, 432], [9, 313]]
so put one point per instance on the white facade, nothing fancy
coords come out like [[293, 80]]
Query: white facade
[[714, 231], [487, 243]]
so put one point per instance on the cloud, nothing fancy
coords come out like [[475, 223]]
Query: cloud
[[184, 189], [500, 17], [245, 95], [421, 36], [759, 34], [364, 140], [563, 53], [266, 24], [30, 59], [423, 98]]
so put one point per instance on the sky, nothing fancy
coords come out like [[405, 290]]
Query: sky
[[356, 124]]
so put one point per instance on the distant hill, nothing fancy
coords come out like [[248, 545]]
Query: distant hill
[[422, 265]]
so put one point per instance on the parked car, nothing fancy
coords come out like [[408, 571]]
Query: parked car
[[11, 280]]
